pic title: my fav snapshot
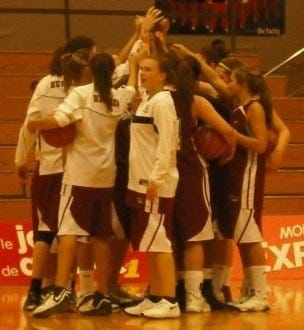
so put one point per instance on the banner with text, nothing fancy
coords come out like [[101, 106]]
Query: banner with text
[[284, 247]]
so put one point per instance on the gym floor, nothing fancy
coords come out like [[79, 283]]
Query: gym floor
[[286, 297]]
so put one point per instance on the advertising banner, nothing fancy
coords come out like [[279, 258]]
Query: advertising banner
[[284, 248]]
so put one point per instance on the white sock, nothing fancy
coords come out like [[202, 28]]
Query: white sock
[[193, 280], [85, 282], [257, 279]]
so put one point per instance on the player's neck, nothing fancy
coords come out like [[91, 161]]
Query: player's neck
[[151, 93]]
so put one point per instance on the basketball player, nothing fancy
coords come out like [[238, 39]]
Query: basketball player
[[86, 195], [192, 206], [257, 302], [152, 183], [46, 182]]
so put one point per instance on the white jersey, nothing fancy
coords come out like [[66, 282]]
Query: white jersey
[[90, 157], [154, 141], [48, 94]]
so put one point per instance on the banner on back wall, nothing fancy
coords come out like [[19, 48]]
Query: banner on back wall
[[284, 247], [250, 17], [16, 243]]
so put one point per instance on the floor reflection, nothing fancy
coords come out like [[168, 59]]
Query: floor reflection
[[287, 306]]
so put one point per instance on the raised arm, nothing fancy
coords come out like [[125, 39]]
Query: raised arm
[[209, 74], [125, 52], [152, 17]]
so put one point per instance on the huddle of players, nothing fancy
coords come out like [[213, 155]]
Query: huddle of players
[[149, 201]]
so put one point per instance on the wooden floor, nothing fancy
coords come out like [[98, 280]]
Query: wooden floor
[[287, 312]]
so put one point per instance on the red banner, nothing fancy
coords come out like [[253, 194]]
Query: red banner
[[16, 243], [284, 247]]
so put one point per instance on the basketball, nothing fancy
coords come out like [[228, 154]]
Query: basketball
[[209, 143], [59, 137]]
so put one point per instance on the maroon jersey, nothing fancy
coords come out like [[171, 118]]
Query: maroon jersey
[[192, 212], [246, 173]]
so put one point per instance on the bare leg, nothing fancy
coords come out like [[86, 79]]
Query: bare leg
[[162, 274], [40, 257], [67, 248], [102, 256]]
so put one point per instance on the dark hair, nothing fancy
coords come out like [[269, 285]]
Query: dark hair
[[257, 86], [194, 65], [55, 68], [102, 67], [33, 85], [72, 66], [219, 49], [71, 46], [78, 42], [209, 55], [180, 74]]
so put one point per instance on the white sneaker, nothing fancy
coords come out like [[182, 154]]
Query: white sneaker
[[256, 303], [163, 309], [140, 308], [245, 295], [58, 300], [196, 303]]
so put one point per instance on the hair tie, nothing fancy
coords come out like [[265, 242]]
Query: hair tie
[[65, 56], [224, 66]]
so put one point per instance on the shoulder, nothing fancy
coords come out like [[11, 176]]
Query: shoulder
[[84, 89], [162, 97], [49, 86], [123, 90], [46, 81], [199, 102], [255, 107]]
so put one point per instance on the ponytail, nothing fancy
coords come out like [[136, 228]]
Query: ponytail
[[185, 83], [72, 67], [180, 73], [102, 66]]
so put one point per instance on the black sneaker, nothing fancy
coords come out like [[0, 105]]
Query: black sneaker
[[97, 305], [83, 299], [60, 299], [45, 292], [32, 301], [208, 294]]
